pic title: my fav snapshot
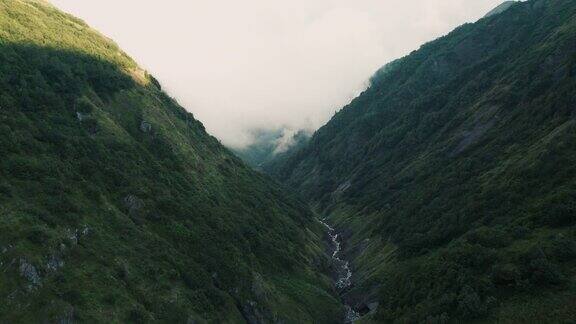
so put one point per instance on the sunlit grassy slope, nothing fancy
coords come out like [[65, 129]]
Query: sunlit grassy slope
[[453, 177], [117, 206]]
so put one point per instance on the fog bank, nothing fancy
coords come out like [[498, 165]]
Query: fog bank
[[262, 64]]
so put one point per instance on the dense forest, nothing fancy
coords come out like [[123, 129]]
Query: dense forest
[[116, 206], [453, 176], [450, 183]]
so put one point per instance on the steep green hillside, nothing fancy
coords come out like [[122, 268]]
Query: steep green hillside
[[117, 206], [453, 177]]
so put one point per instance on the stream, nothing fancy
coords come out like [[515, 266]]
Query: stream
[[343, 272]]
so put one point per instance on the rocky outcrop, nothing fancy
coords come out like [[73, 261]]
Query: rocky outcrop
[[133, 204], [252, 314], [28, 271], [54, 263], [82, 116], [145, 127], [67, 317]]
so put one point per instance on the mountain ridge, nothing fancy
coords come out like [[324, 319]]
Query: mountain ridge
[[117, 206], [441, 179], [500, 9]]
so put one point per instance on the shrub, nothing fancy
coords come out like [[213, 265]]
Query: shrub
[[505, 274], [470, 305], [545, 273], [85, 106], [489, 237], [560, 214]]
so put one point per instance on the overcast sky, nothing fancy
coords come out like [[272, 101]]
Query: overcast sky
[[266, 64]]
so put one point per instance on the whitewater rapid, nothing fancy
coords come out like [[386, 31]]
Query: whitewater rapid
[[344, 273]]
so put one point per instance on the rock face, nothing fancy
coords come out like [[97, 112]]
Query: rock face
[[29, 272], [82, 116], [134, 204], [373, 307], [67, 317], [252, 314], [54, 263], [145, 127]]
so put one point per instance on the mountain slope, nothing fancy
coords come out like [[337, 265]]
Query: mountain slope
[[117, 206], [452, 177], [501, 8]]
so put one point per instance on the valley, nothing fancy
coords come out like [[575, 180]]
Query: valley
[[342, 272], [444, 193]]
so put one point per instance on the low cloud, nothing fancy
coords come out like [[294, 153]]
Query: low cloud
[[287, 139], [262, 64]]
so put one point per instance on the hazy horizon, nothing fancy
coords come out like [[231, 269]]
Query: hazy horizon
[[262, 65]]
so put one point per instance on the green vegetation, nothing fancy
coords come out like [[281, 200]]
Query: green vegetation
[[117, 206], [452, 178], [270, 146]]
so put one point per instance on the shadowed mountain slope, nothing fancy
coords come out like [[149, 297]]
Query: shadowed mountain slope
[[117, 206], [452, 177]]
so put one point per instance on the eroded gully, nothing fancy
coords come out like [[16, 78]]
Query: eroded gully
[[343, 271]]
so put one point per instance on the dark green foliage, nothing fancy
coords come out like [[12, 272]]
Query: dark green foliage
[[126, 223], [84, 105], [461, 157]]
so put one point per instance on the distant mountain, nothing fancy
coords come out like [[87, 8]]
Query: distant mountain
[[116, 206], [270, 145], [452, 178]]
